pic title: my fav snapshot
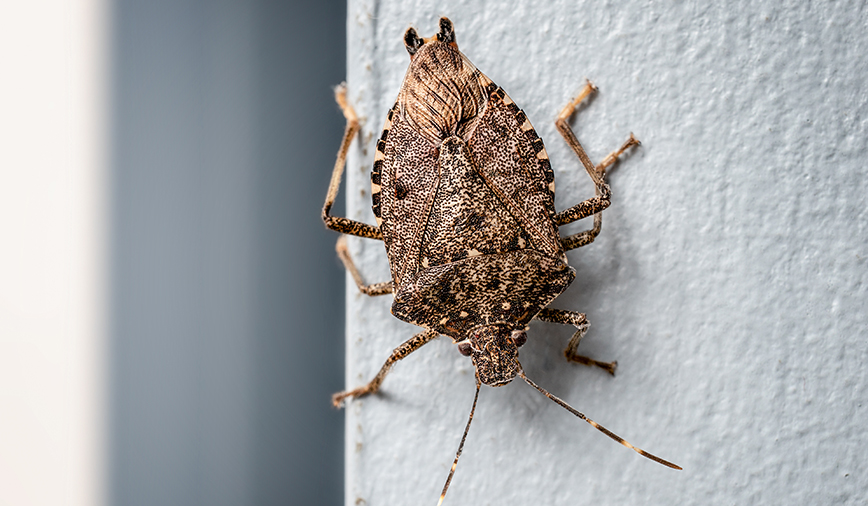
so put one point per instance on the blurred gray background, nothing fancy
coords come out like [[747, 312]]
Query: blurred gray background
[[227, 326]]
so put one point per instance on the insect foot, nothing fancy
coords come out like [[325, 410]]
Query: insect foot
[[463, 195]]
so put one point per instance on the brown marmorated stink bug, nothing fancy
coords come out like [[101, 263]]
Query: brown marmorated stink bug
[[463, 194]]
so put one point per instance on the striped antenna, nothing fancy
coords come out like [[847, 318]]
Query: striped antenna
[[594, 424], [460, 446]]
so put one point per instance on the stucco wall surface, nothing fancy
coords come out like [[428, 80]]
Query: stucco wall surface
[[729, 280]]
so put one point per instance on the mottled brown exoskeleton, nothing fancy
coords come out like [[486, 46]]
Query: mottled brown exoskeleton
[[463, 194]]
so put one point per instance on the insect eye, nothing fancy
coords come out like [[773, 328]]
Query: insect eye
[[412, 41], [464, 348], [519, 337]]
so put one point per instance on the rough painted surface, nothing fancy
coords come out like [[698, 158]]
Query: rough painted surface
[[729, 280]]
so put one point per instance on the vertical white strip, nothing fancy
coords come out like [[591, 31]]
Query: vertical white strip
[[53, 95]]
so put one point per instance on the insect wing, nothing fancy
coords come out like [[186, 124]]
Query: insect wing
[[404, 183], [512, 158]]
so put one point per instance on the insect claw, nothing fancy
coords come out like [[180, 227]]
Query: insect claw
[[570, 108], [338, 399], [341, 94], [611, 158], [346, 108]]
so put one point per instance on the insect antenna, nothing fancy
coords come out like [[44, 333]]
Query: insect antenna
[[460, 446], [596, 425]]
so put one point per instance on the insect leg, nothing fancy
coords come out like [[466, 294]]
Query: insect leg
[[372, 290], [602, 197], [345, 225], [587, 237], [409, 346], [581, 323]]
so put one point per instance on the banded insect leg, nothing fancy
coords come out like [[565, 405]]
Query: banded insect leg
[[408, 347], [602, 197], [581, 323], [345, 225], [372, 290]]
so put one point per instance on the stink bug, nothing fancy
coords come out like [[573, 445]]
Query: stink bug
[[463, 194]]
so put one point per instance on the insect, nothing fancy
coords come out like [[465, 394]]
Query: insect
[[463, 195]]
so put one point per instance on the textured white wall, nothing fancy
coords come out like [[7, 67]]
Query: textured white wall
[[729, 281]]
